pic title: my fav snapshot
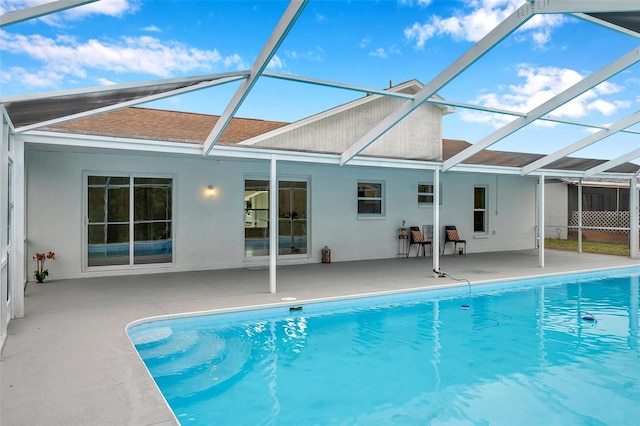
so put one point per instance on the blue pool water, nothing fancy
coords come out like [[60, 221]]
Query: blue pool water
[[561, 351], [140, 248]]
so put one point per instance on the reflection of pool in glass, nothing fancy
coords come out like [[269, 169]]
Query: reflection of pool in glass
[[159, 251], [260, 246], [521, 353]]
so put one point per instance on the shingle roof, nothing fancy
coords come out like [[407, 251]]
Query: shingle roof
[[450, 147], [172, 126]]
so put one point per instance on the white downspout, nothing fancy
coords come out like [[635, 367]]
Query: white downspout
[[273, 224]]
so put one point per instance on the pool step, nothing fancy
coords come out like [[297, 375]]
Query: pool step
[[237, 353], [210, 348], [148, 337], [179, 342]]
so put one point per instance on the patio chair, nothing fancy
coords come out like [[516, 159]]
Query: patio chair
[[416, 237], [451, 236]]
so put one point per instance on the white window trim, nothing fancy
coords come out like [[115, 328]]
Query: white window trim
[[427, 204], [85, 221], [485, 210], [259, 260], [382, 199]]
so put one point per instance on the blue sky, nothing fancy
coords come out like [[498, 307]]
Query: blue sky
[[365, 43]]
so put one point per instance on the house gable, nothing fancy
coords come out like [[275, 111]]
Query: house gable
[[418, 136]]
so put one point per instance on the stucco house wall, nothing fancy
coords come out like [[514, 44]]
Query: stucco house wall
[[209, 231], [556, 202], [510, 213]]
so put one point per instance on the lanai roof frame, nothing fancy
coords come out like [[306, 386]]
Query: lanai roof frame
[[621, 15]]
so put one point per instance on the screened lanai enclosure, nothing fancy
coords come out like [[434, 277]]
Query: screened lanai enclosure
[[131, 215]]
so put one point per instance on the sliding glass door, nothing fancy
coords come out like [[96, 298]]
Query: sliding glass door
[[129, 220], [292, 217]]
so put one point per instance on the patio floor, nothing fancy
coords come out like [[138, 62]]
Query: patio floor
[[70, 362]]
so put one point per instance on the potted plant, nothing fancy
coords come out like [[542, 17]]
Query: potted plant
[[403, 228], [40, 273]]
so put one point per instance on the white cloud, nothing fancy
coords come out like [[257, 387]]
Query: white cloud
[[152, 29], [540, 85], [365, 42], [105, 82], [395, 50], [115, 8], [235, 61], [480, 17], [315, 54], [383, 53], [419, 33], [110, 8], [421, 3], [40, 79], [379, 53], [275, 63], [144, 55]]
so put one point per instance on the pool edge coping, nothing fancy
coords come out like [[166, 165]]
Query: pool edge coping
[[457, 283]]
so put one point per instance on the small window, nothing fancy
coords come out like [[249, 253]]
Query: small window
[[370, 199], [480, 209], [426, 194]]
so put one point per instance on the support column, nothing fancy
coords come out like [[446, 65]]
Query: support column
[[5, 280], [273, 224], [634, 308], [541, 221], [18, 273], [580, 215], [634, 218], [435, 244]]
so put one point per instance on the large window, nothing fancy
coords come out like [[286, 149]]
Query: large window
[[370, 199], [292, 217], [480, 209], [129, 220]]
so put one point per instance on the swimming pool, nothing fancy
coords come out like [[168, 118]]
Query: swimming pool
[[559, 350]]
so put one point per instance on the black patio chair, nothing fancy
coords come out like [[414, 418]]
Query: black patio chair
[[416, 237], [451, 236]]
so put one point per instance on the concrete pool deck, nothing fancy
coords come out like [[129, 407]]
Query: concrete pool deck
[[70, 362]]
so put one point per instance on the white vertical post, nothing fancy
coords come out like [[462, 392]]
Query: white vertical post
[[634, 218], [541, 221], [580, 215], [436, 221], [634, 321], [273, 224], [18, 228], [5, 280]]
